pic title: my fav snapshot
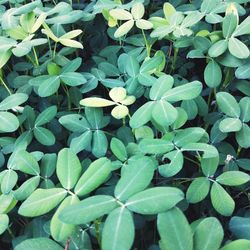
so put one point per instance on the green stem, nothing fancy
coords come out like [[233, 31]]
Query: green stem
[[50, 49], [176, 50], [31, 60], [148, 47], [11, 233], [227, 78], [191, 160], [54, 52], [35, 55], [239, 150], [97, 231], [68, 95], [5, 85]]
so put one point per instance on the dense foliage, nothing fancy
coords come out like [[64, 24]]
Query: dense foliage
[[125, 125]]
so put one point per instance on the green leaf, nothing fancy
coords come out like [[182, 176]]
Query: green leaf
[[46, 116], [188, 135], [175, 166], [174, 230], [228, 104], [72, 66], [213, 74], [44, 136], [221, 200], [41, 202], [13, 101], [124, 29], [94, 176], [150, 64], [81, 142], [208, 150], [118, 149], [240, 227], [181, 118], [191, 19], [73, 78], [99, 144], [135, 178], [155, 146], [186, 91], [74, 123], [88, 209], [162, 84], [49, 86], [245, 109], [208, 235], [59, 230], [68, 168], [142, 115], [154, 200], [218, 48], [229, 25], [6, 201], [209, 165], [4, 57], [144, 132], [4, 222], [118, 231], [237, 244], [230, 125], [243, 136], [164, 113], [132, 66], [22, 48], [243, 28], [8, 122], [28, 187], [198, 190], [8, 181], [238, 48], [25, 162], [38, 243], [243, 71], [233, 178]]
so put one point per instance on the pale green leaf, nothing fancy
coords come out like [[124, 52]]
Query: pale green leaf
[[233, 178], [154, 200], [96, 102], [137, 177], [59, 230], [118, 231], [198, 190], [124, 29], [221, 200], [174, 230], [230, 125], [88, 209], [68, 168], [42, 201], [94, 176], [208, 235]]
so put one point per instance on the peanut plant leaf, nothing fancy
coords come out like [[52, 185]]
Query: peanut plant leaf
[[118, 231], [42, 201]]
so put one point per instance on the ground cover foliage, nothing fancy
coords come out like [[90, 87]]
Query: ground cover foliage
[[124, 125]]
